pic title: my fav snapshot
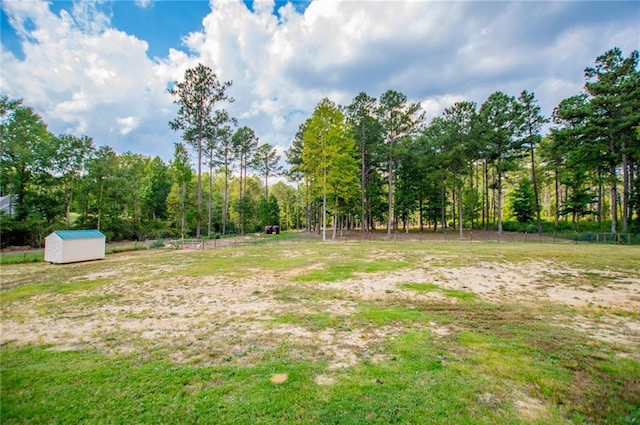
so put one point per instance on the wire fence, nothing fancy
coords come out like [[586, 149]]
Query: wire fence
[[447, 235], [468, 236]]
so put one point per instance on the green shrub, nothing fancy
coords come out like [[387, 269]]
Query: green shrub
[[159, 243]]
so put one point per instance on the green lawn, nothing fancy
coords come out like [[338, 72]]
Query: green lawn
[[357, 333]]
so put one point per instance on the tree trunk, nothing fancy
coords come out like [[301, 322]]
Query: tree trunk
[[199, 215], [100, 202], [240, 210], [308, 208], [443, 198], [420, 218], [68, 211], [453, 207], [460, 220], [390, 195], [635, 168], [499, 213], [225, 202], [613, 194], [536, 193], [210, 200], [557, 184], [184, 195], [474, 190], [324, 207], [335, 223], [363, 218], [613, 187], [600, 199], [632, 180], [485, 197], [625, 189]]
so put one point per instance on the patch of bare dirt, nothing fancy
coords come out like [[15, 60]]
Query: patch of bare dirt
[[531, 409], [297, 271], [324, 380], [539, 283], [217, 318]]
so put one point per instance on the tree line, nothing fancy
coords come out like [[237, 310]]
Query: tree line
[[51, 182], [375, 163]]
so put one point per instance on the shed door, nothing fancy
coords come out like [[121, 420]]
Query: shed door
[[56, 251]]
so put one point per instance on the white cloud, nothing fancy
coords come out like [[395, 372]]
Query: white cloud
[[127, 124], [84, 75], [144, 4], [435, 106], [89, 17]]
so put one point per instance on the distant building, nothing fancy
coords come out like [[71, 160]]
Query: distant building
[[7, 204]]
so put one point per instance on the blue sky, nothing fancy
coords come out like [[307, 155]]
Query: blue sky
[[102, 68], [162, 24]]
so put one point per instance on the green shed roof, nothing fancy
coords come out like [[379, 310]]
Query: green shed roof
[[80, 234]]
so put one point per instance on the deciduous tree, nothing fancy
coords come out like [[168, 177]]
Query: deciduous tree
[[328, 157]]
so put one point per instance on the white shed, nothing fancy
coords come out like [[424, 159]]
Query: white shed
[[70, 246]]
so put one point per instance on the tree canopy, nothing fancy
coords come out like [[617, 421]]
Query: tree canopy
[[499, 164]]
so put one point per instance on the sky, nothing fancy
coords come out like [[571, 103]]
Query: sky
[[102, 68]]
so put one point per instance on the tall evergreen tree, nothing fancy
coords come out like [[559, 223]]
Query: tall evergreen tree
[[497, 129], [530, 122], [225, 157], [613, 85], [368, 135], [399, 119], [196, 96], [181, 171], [245, 143], [266, 162], [523, 201], [458, 150]]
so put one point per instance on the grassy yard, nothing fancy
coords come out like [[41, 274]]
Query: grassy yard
[[336, 333]]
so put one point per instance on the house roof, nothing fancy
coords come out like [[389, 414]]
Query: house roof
[[79, 234]]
